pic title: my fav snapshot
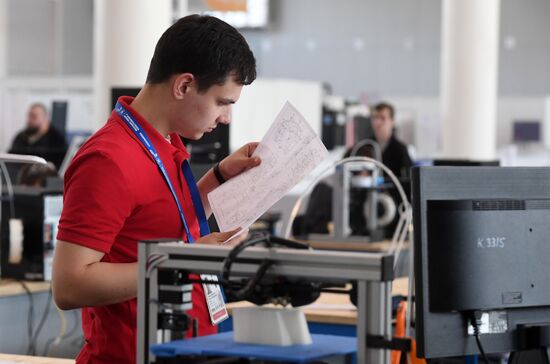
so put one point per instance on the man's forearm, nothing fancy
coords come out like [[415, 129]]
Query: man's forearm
[[97, 284]]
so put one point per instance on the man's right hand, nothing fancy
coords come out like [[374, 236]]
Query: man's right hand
[[221, 238]]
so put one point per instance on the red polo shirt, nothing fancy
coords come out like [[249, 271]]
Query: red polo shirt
[[115, 196]]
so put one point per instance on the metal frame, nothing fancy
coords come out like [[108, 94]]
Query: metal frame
[[340, 201], [343, 182], [373, 273]]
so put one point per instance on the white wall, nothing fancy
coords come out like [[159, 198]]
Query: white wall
[[49, 37], [260, 103], [3, 38]]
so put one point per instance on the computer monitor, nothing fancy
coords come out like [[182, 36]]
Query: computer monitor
[[59, 117], [481, 247], [211, 147], [362, 129], [465, 163], [333, 130], [117, 92], [526, 132]]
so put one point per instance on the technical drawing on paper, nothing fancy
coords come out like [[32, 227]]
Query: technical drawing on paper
[[289, 151]]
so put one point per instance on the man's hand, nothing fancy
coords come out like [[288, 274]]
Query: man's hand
[[221, 238], [239, 161]]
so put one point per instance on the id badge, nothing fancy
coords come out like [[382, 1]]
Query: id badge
[[214, 299]]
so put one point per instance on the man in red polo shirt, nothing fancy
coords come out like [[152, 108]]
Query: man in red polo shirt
[[129, 182]]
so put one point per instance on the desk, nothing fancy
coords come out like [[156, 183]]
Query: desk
[[10, 287], [22, 359]]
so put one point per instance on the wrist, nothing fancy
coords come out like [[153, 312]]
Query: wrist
[[218, 174]]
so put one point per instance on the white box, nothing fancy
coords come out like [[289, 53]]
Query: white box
[[270, 326]]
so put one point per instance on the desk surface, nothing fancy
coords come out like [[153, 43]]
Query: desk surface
[[332, 308], [23, 359], [10, 287]]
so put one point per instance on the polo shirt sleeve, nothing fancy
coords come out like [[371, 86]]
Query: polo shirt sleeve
[[96, 202]]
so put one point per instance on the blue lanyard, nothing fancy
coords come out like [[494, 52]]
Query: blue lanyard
[[193, 189]]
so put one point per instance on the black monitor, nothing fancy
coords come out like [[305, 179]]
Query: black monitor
[[465, 163], [362, 129], [333, 129], [59, 117], [526, 132], [482, 250], [211, 147], [117, 92]]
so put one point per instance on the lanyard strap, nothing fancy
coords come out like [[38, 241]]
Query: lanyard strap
[[192, 185], [196, 198]]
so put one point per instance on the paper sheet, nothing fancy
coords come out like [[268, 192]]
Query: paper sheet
[[289, 151]]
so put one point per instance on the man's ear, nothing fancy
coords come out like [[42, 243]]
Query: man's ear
[[181, 85]]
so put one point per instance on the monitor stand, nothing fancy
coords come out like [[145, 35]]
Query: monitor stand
[[536, 356]]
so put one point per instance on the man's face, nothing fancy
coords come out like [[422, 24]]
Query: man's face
[[382, 124], [202, 112], [36, 119]]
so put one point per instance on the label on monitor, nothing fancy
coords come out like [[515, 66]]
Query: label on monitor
[[492, 322]]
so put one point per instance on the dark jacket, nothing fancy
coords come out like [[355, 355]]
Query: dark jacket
[[51, 146], [396, 157]]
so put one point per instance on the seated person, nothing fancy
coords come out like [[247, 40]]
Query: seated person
[[395, 156], [39, 138], [318, 213], [394, 152]]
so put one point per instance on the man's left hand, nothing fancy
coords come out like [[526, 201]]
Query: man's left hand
[[239, 161]]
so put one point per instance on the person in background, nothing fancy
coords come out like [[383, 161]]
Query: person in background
[[39, 138], [394, 153], [395, 156], [131, 181], [317, 218]]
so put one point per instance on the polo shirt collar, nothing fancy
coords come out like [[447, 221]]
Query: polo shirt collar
[[174, 147]]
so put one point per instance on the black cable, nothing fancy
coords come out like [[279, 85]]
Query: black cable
[[475, 321], [244, 292], [30, 315], [33, 335], [42, 321]]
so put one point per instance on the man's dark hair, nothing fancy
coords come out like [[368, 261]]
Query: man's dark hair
[[205, 46], [384, 105]]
